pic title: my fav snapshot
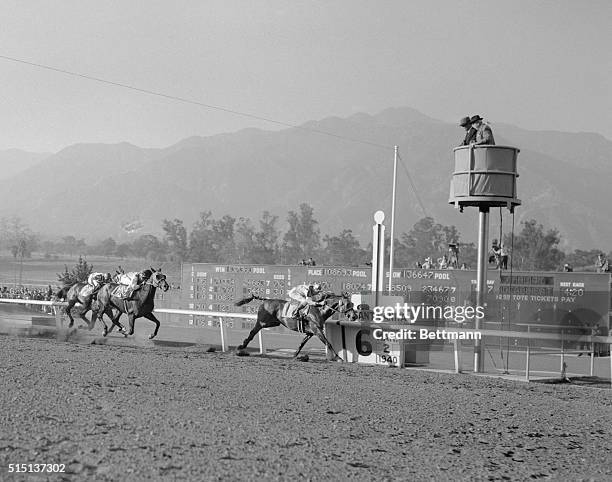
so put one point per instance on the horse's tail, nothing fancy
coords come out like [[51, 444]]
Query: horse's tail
[[248, 299], [62, 293]]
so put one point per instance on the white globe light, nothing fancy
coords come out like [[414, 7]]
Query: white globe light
[[379, 217]]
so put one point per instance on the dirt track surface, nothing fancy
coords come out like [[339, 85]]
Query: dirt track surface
[[118, 413]]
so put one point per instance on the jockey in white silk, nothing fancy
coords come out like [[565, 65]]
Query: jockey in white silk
[[96, 279], [134, 279], [303, 295]]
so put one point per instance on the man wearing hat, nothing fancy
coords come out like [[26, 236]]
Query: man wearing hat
[[484, 134], [470, 132]]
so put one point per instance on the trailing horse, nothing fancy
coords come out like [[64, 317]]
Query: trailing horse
[[140, 306], [270, 314], [82, 304]]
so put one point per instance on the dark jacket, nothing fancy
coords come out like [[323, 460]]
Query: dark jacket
[[470, 136]]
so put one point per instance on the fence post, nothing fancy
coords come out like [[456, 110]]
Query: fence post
[[262, 347], [223, 335], [592, 357], [527, 362], [457, 359], [562, 353]]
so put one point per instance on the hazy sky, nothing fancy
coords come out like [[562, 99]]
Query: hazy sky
[[537, 64]]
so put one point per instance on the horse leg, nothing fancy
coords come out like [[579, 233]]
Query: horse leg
[[115, 320], [151, 316], [319, 332], [94, 317], [99, 315], [67, 310], [84, 318], [252, 334], [131, 319], [304, 341]]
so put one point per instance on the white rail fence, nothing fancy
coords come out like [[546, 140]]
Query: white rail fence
[[529, 336], [217, 314]]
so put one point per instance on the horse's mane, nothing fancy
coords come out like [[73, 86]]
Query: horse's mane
[[327, 295]]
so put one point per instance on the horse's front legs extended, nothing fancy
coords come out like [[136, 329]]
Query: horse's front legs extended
[[304, 341], [319, 332], [151, 316]]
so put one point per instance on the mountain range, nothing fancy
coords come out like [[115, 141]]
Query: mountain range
[[342, 167]]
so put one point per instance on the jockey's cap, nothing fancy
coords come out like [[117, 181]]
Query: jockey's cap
[[316, 286], [146, 273]]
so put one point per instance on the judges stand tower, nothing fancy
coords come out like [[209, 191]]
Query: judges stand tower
[[484, 177]]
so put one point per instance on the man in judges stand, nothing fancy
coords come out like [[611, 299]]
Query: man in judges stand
[[484, 133], [470, 132]]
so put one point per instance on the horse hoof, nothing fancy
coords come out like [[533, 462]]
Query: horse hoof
[[303, 358], [242, 352], [152, 336]]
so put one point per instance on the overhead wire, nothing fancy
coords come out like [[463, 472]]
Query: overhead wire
[[219, 108], [193, 102], [413, 186]]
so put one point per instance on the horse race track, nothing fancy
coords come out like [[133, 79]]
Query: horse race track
[[121, 413]]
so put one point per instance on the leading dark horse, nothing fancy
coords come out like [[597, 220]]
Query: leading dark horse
[[141, 305], [270, 314]]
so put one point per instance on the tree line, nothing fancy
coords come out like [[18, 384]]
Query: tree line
[[240, 240]]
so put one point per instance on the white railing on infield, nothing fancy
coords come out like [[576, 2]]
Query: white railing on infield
[[217, 314]]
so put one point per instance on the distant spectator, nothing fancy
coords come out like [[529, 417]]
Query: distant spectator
[[495, 256], [417, 265], [503, 256], [443, 262], [453, 256], [310, 262], [464, 266], [567, 268], [603, 266]]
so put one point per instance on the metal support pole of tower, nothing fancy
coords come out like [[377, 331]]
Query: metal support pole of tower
[[481, 281], [392, 219]]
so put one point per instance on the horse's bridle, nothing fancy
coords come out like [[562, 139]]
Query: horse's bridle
[[155, 285], [338, 311]]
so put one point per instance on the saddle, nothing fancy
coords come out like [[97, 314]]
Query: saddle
[[293, 320], [120, 291], [290, 310]]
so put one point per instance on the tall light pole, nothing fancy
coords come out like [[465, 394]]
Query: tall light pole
[[392, 219]]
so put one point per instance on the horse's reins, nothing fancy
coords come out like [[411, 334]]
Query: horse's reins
[[337, 311]]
